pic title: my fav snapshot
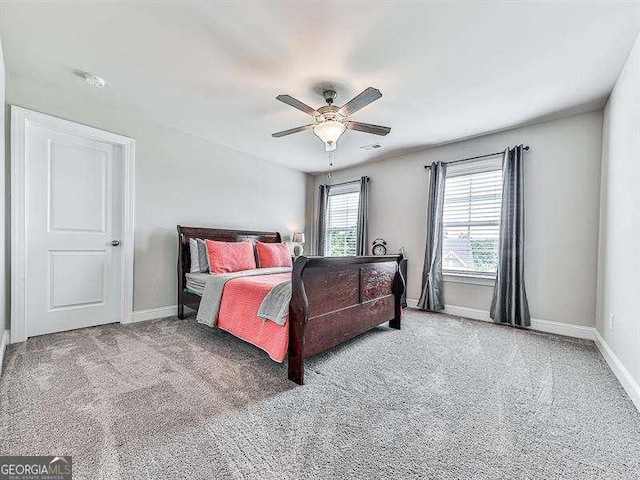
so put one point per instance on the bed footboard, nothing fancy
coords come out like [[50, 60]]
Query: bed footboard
[[336, 299]]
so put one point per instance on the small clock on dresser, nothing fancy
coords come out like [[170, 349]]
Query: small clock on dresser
[[379, 246]]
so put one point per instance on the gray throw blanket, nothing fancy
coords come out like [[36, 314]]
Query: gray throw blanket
[[212, 296], [275, 306]]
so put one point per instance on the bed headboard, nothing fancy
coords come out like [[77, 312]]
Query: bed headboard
[[185, 233]]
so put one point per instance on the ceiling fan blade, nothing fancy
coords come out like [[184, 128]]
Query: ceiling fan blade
[[289, 100], [368, 128], [292, 130], [360, 101]]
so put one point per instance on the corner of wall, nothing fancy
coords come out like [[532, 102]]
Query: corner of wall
[[309, 211], [4, 203], [618, 275]]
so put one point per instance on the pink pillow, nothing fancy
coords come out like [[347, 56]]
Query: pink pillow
[[273, 255], [225, 257]]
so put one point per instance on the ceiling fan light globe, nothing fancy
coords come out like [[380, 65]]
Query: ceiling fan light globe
[[329, 132]]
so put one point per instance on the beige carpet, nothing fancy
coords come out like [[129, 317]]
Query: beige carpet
[[442, 398]]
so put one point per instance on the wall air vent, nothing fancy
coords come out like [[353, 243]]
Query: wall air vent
[[375, 146]]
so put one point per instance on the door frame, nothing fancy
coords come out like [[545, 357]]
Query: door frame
[[20, 118]]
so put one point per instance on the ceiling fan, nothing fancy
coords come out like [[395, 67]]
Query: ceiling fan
[[332, 121]]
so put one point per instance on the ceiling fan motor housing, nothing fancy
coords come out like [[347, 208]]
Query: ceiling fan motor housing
[[329, 112]]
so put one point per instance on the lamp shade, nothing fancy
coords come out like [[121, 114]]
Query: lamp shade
[[298, 237], [329, 132]]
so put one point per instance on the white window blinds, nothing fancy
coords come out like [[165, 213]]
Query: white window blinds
[[342, 224], [471, 222]]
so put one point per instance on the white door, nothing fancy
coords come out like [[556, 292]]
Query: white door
[[74, 211]]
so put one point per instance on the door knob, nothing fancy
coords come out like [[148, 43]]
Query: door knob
[[115, 243]]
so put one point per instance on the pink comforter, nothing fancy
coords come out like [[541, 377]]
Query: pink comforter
[[238, 314]]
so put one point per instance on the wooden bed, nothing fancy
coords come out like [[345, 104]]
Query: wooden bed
[[334, 299]]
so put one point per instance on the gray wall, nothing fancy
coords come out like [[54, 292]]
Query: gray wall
[[4, 319], [619, 259], [561, 193], [180, 179]]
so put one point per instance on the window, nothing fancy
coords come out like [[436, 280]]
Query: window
[[471, 220], [342, 221]]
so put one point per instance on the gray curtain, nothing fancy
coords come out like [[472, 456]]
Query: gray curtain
[[432, 298], [322, 219], [362, 239], [509, 303]]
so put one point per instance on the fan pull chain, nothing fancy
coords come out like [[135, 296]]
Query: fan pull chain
[[330, 154]]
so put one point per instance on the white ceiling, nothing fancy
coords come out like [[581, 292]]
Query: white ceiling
[[447, 71]]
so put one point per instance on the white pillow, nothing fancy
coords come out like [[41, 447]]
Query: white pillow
[[195, 256]]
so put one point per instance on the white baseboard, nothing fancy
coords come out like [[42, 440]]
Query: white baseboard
[[153, 313], [619, 370], [560, 328], [4, 341], [412, 303], [548, 326]]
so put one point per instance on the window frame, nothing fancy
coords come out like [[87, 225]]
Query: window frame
[[457, 170], [343, 189]]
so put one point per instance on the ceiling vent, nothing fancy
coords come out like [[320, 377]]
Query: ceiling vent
[[375, 146]]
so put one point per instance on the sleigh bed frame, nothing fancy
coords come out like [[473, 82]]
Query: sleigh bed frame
[[334, 299]]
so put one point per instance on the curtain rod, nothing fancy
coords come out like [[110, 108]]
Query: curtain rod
[[345, 183], [475, 158]]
